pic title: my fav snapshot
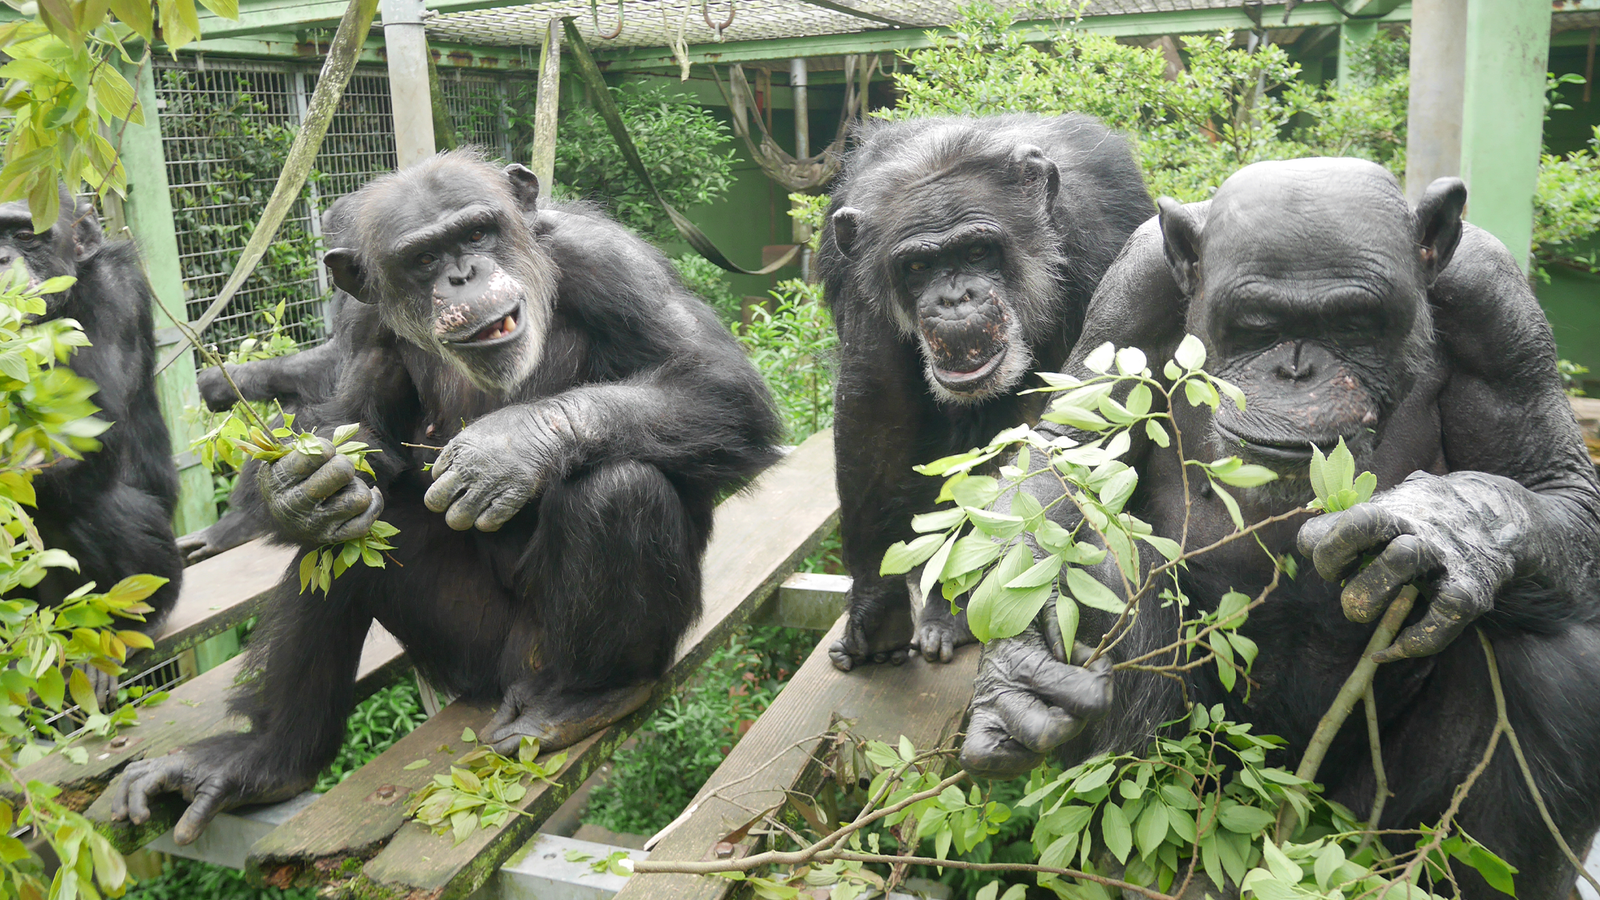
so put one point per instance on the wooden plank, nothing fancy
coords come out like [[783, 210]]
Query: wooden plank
[[221, 592], [923, 701], [808, 600], [761, 535], [195, 710]]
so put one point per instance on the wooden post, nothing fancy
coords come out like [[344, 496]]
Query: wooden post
[[546, 107], [1433, 117], [407, 44], [1502, 121], [148, 214], [444, 127]]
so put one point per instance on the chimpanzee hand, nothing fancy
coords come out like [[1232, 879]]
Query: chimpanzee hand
[[215, 390], [556, 718], [318, 499], [1027, 702], [209, 787], [490, 471], [1454, 536], [878, 626]]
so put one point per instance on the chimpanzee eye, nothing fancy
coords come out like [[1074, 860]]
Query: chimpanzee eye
[[426, 259], [476, 236], [26, 235], [916, 265], [977, 252]]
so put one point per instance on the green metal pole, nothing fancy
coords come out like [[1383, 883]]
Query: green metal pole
[[1502, 123], [148, 212], [1354, 35]]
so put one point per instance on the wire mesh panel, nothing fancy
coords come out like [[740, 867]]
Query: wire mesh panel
[[226, 129], [227, 126]]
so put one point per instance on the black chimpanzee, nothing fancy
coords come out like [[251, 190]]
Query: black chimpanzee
[[590, 411], [958, 257], [1343, 313], [299, 382], [112, 510]]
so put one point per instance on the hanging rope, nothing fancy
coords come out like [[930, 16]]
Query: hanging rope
[[594, 11], [812, 172], [718, 27]]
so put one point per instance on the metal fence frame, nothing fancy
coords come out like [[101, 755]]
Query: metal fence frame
[[219, 181]]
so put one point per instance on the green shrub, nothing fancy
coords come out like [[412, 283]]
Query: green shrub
[[792, 345]]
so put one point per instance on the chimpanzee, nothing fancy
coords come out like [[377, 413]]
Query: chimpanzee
[[112, 510], [541, 379], [1343, 313], [298, 382], [958, 257]]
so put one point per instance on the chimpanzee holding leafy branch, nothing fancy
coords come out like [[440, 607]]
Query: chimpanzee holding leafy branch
[[1342, 313]]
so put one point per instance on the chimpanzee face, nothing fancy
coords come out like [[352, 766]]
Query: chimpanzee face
[[50, 253], [966, 263], [446, 251], [1308, 284]]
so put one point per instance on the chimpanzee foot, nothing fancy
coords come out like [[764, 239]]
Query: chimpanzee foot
[[558, 719], [873, 636], [939, 632]]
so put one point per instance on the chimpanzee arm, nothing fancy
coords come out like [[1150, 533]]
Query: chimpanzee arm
[[304, 377], [1520, 506], [1028, 700], [304, 665]]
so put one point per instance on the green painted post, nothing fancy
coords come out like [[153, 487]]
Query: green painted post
[[1354, 34], [1502, 123], [148, 212]]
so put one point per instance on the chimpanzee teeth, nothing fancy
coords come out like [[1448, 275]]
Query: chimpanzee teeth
[[509, 325]]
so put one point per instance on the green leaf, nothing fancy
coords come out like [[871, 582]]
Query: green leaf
[[1130, 361], [1329, 859], [976, 491], [51, 687], [1114, 825], [1091, 593], [1245, 819], [998, 525], [994, 612], [1233, 507], [1042, 572], [1067, 616], [972, 552], [1099, 360], [935, 565], [941, 520], [1118, 488], [1076, 418], [1167, 547], [416, 764], [1154, 430], [468, 737], [82, 693], [1152, 829], [901, 557], [1319, 468], [1191, 353], [1365, 484], [1231, 604], [1248, 476], [1280, 864]]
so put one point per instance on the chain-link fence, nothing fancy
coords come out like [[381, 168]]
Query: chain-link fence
[[226, 128]]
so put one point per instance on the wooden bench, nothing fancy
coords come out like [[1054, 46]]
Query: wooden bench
[[356, 836]]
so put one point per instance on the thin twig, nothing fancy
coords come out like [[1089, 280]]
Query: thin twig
[[1380, 794], [1503, 721], [211, 357]]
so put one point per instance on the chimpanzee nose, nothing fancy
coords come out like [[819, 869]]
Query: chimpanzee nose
[[462, 275], [1292, 367], [953, 296]]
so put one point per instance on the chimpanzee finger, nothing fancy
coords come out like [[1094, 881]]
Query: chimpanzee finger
[[1336, 541], [1050, 627], [1033, 723], [208, 801], [361, 524], [295, 466], [444, 490], [1083, 691], [467, 508], [1406, 559], [1449, 613], [500, 511], [143, 780], [990, 752], [329, 479]]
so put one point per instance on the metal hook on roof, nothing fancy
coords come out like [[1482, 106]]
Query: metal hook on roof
[[594, 10], [719, 28]]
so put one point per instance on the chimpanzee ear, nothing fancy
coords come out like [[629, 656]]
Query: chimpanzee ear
[[1439, 224], [86, 234], [348, 274], [1039, 173], [525, 185], [846, 221], [1180, 234]]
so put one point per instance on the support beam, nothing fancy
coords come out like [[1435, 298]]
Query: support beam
[[410, 98], [1502, 122], [1433, 117], [1196, 21], [547, 106], [148, 212], [1354, 36]]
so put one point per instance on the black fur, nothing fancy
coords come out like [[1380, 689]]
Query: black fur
[[585, 590], [113, 509], [1054, 199]]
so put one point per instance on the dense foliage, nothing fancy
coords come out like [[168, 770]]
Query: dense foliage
[[680, 142], [1227, 108]]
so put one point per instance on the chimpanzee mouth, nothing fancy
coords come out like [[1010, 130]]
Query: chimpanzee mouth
[[498, 330], [1296, 453], [971, 379]]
